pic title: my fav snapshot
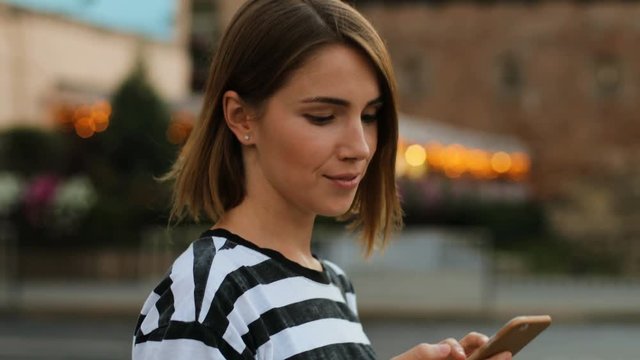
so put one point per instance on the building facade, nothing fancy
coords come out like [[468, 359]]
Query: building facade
[[47, 58], [564, 77]]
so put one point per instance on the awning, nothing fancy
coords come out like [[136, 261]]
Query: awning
[[424, 131]]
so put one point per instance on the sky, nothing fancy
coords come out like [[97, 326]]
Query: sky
[[150, 18]]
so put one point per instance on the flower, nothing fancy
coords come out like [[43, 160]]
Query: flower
[[38, 196], [11, 188], [74, 199]]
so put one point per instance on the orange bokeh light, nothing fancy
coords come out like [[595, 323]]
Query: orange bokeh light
[[179, 128], [501, 162], [101, 121], [85, 127], [454, 160], [435, 155], [85, 119], [479, 163]]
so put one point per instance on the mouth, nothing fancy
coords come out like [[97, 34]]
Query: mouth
[[345, 181]]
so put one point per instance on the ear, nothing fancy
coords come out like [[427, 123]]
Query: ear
[[238, 116]]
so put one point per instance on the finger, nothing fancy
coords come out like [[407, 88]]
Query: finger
[[472, 341], [502, 356], [457, 351], [426, 352]]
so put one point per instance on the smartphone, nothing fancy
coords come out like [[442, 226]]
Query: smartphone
[[513, 336]]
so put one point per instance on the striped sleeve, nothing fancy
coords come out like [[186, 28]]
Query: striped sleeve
[[227, 299], [170, 320], [341, 279]]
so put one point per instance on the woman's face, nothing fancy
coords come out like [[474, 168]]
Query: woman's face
[[317, 134]]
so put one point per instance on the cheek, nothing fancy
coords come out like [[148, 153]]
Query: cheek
[[295, 149]]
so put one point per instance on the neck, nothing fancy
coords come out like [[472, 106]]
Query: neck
[[273, 227]]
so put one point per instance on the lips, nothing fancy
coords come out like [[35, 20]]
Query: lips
[[345, 181]]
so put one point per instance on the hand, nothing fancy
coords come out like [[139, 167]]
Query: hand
[[450, 349]]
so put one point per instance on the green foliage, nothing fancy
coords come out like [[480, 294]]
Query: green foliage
[[135, 140], [27, 151], [123, 161], [517, 228], [120, 164], [554, 255], [509, 222]]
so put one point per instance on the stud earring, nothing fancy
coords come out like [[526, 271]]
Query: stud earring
[[247, 137]]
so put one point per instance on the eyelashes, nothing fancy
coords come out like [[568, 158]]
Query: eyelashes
[[321, 120], [368, 119]]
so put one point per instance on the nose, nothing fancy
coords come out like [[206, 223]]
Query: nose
[[358, 140]]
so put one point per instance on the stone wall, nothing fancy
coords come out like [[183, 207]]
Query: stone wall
[[562, 76]]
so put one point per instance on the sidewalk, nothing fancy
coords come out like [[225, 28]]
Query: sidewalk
[[586, 298], [466, 295], [452, 298], [87, 299]]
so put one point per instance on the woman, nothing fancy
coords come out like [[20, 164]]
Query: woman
[[299, 121]]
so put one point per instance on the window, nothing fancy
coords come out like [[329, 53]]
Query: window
[[607, 75], [510, 78], [413, 76]]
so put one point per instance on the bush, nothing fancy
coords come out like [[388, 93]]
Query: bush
[[27, 151], [123, 161], [102, 188]]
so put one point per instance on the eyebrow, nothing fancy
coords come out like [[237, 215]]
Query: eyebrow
[[339, 102]]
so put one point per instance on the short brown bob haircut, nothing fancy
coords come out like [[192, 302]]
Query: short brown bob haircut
[[265, 42]]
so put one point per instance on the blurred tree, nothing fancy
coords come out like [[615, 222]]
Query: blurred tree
[[135, 141], [123, 161], [27, 151], [119, 163]]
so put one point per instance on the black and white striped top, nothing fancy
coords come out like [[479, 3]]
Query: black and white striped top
[[226, 298]]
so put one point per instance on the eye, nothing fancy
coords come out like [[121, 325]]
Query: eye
[[369, 118], [320, 120]]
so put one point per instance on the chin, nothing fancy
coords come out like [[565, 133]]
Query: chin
[[335, 211]]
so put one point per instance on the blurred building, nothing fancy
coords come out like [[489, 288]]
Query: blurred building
[[563, 76], [559, 78], [73, 51], [204, 33]]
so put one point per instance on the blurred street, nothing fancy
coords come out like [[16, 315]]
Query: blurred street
[[69, 339], [593, 320], [82, 339]]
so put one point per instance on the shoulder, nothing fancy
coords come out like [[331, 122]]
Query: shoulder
[[212, 254], [340, 279], [338, 276], [210, 263], [197, 276], [333, 267], [194, 299]]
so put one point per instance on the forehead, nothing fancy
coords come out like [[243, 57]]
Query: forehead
[[335, 71]]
